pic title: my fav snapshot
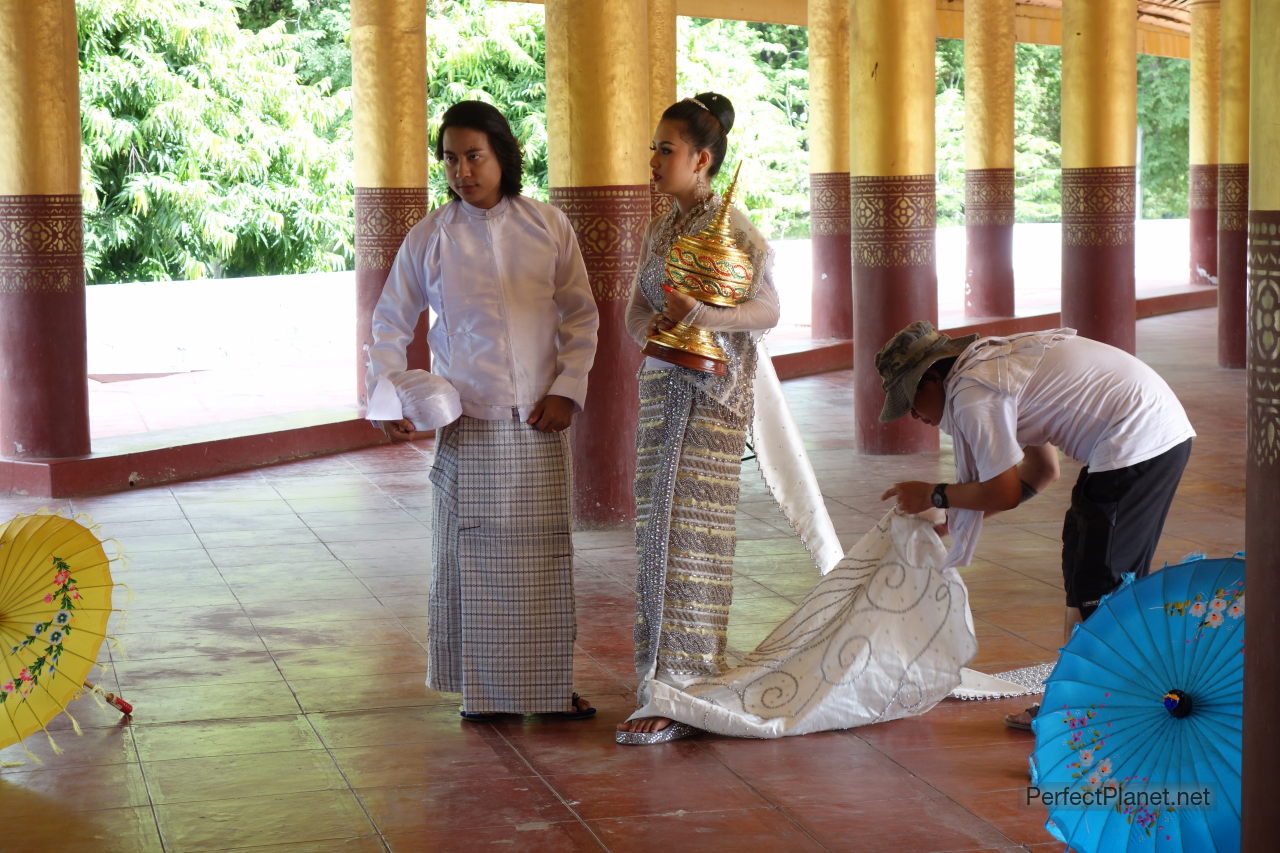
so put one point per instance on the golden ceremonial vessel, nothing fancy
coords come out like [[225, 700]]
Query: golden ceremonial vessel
[[710, 267]]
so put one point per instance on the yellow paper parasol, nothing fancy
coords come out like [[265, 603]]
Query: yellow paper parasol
[[55, 600]]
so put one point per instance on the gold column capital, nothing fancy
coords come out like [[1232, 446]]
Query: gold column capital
[[1099, 84], [828, 86], [1233, 116], [1264, 113], [662, 58], [989, 73], [891, 75], [598, 93], [389, 92], [39, 98], [1206, 49]]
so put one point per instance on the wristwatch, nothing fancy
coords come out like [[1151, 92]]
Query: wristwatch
[[939, 496]]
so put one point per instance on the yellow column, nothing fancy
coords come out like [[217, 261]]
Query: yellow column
[[1261, 819], [1202, 204], [829, 168], [662, 74], [598, 127], [389, 90], [988, 142], [892, 199], [1099, 128], [44, 398], [1233, 181]]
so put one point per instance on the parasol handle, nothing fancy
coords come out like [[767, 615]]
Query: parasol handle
[[112, 699]]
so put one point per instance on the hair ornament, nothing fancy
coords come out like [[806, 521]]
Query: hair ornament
[[699, 103]]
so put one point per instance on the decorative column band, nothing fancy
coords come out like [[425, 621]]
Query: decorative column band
[[41, 244], [610, 223], [662, 204], [893, 220], [1264, 336], [1233, 196], [1203, 193], [384, 216], [829, 204], [988, 197], [1098, 206]]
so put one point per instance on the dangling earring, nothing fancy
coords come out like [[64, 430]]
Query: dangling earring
[[701, 182]]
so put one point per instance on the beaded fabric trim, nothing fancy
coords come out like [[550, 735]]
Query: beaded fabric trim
[[1032, 679], [658, 445]]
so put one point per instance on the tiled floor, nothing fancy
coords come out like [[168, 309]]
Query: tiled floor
[[272, 651]]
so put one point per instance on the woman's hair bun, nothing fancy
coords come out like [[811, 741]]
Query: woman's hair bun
[[720, 107], [708, 118]]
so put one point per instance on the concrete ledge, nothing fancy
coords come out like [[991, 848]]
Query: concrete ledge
[[154, 458], [120, 468], [796, 358]]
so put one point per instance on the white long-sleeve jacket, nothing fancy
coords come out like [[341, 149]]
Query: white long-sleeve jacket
[[515, 319]]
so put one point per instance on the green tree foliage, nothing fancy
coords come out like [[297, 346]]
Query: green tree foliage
[[203, 153], [1037, 133], [1164, 98], [322, 28], [217, 133], [764, 70], [948, 121]]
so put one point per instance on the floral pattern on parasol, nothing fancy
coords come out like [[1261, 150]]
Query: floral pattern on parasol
[[1138, 740], [55, 601]]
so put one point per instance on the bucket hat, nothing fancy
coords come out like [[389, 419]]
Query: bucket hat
[[904, 360]]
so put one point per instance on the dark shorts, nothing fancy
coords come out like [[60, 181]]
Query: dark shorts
[[1114, 524]]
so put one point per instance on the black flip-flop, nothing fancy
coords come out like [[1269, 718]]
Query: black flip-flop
[[479, 717], [577, 713]]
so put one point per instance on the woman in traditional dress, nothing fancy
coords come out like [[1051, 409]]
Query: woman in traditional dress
[[885, 632], [692, 427]]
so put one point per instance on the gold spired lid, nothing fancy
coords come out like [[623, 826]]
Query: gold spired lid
[[710, 266]]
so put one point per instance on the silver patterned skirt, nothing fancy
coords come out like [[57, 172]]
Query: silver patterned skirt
[[689, 454]]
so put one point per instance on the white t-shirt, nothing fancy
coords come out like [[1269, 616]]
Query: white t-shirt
[[1096, 403]]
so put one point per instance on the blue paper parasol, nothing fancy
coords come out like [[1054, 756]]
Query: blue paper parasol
[[1138, 736]]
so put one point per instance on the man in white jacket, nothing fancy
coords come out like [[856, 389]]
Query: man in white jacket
[[1010, 404], [514, 333]]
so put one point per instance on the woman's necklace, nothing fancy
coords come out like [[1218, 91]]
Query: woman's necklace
[[676, 223]]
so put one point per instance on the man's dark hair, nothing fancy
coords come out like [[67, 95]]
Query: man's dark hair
[[942, 367], [477, 115]]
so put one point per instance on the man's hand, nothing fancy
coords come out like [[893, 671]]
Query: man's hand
[[401, 430], [912, 496], [552, 414]]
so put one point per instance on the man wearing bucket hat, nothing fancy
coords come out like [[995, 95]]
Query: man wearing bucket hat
[[1009, 405]]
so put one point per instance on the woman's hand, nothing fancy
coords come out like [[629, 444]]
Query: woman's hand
[[679, 304]]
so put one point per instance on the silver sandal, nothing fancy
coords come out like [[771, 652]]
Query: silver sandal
[[673, 731]]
